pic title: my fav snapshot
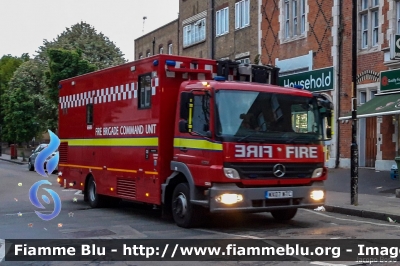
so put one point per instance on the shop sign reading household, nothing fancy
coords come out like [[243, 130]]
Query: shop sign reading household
[[315, 80]]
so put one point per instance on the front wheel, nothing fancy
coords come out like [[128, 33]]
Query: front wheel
[[95, 200], [284, 215], [185, 214]]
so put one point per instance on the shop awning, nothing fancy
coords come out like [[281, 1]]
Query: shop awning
[[387, 104]]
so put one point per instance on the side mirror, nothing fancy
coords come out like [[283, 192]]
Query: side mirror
[[329, 133], [183, 126]]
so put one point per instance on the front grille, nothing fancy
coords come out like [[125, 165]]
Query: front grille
[[265, 170], [275, 202]]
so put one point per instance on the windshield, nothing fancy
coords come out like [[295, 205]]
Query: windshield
[[267, 117]]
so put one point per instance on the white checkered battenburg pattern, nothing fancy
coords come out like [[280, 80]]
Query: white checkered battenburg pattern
[[106, 95]]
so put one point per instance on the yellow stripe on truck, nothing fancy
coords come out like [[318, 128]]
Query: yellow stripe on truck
[[130, 142], [197, 144]]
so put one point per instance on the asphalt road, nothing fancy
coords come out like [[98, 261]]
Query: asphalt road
[[132, 221]]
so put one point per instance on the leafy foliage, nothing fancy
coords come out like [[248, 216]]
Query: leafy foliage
[[29, 77], [8, 65], [63, 64], [96, 48], [29, 87], [19, 121]]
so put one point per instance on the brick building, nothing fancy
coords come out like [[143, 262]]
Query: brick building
[[163, 40], [378, 116], [227, 29], [298, 37], [312, 39]]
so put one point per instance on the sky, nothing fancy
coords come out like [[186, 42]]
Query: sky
[[24, 24]]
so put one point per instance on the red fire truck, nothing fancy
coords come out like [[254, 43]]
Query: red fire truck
[[191, 135]]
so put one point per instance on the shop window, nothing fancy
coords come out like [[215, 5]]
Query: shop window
[[363, 97]]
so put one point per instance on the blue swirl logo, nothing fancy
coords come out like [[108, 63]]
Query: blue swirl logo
[[45, 153], [35, 201], [39, 167]]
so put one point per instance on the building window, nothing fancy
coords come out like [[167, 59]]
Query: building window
[[363, 97], [222, 21], [161, 50], [295, 18], [372, 95], [144, 91], [369, 19], [242, 14], [170, 48], [194, 33]]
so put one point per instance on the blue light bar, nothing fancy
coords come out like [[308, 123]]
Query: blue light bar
[[155, 63], [296, 86], [170, 63], [219, 78]]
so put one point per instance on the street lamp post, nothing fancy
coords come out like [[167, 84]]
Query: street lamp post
[[354, 146]]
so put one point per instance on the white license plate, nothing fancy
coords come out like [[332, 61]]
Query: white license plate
[[278, 194]]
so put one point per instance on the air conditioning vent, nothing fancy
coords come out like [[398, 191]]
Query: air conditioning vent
[[63, 152], [126, 188]]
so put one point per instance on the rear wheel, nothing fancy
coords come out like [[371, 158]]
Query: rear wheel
[[185, 214], [95, 200], [30, 166], [284, 215]]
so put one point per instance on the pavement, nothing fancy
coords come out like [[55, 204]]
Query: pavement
[[376, 193]]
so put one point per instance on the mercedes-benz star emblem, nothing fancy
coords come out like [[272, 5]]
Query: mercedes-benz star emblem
[[279, 170]]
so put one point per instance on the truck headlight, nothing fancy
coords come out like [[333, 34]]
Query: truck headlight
[[229, 198], [317, 194], [317, 173], [231, 173]]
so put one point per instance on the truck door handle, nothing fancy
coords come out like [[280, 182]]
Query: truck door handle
[[184, 149]]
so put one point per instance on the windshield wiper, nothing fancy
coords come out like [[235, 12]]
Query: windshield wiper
[[299, 139], [250, 135]]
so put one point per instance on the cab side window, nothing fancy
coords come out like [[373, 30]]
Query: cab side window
[[201, 114]]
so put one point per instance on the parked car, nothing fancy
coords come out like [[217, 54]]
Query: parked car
[[32, 158], [48, 158]]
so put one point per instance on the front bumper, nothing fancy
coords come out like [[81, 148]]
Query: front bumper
[[254, 198]]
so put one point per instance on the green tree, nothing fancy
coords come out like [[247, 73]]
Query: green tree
[[63, 64], [29, 77], [8, 65], [96, 47], [19, 123]]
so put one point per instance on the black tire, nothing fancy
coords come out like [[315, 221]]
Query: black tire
[[185, 214], [95, 200], [284, 215], [31, 167]]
